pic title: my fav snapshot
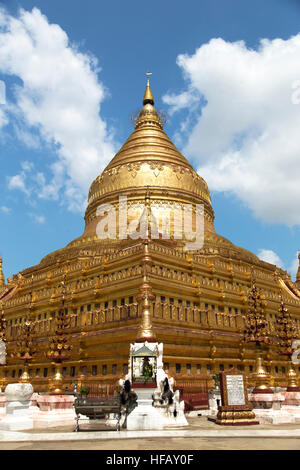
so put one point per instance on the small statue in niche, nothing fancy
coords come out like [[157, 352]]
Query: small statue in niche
[[147, 369]]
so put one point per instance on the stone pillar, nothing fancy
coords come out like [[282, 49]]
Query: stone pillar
[[17, 407]]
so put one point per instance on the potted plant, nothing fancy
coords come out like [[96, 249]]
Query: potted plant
[[84, 391]]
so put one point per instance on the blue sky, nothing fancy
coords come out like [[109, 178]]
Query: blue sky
[[37, 209]]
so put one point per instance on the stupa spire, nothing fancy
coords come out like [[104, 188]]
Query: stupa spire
[[145, 298], [148, 96], [148, 116]]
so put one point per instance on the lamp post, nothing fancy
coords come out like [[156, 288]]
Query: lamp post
[[256, 331], [286, 333]]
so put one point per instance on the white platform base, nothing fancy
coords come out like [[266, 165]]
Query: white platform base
[[17, 416], [171, 421], [285, 415], [146, 416], [53, 418]]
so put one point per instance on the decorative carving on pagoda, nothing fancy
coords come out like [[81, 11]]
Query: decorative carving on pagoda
[[49, 278], [26, 347], [85, 268], [83, 348], [3, 323], [257, 332], [3, 339], [75, 289], [242, 351], [256, 324], [59, 346], [287, 332], [98, 284]]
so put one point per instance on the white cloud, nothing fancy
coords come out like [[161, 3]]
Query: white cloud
[[3, 118], [30, 140], [270, 257], [294, 266], [245, 135], [18, 182], [59, 98], [21, 180], [39, 219], [186, 99], [5, 209]]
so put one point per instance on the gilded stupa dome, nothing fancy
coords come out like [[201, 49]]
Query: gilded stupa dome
[[148, 161], [150, 167]]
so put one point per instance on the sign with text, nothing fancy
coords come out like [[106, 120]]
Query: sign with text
[[233, 388]]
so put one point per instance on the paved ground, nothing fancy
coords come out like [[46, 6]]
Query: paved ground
[[159, 444], [211, 437], [195, 423]]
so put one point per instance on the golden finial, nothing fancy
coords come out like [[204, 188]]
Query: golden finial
[[148, 96], [148, 75]]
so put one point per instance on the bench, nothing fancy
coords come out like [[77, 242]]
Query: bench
[[98, 408], [195, 401]]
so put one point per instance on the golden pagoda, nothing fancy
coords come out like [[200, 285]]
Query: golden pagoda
[[117, 290]]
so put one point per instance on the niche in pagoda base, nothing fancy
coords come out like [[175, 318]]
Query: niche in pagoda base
[[235, 409], [145, 365]]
